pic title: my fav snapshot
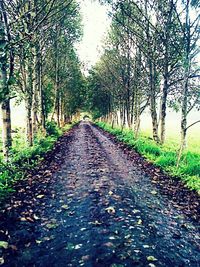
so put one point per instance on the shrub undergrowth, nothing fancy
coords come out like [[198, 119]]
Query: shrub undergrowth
[[163, 156], [24, 158]]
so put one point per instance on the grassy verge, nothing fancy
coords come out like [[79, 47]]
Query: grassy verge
[[24, 158], [163, 156]]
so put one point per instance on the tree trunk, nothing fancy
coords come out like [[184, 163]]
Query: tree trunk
[[29, 124], [6, 128], [165, 89], [163, 109], [58, 110], [184, 107], [40, 85], [152, 73], [136, 113], [35, 92], [153, 105], [4, 93], [29, 102]]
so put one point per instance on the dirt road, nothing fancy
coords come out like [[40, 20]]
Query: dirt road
[[98, 208]]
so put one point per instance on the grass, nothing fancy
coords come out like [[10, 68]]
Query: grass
[[163, 156], [24, 158]]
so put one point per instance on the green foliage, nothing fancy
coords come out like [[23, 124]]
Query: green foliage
[[164, 157], [167, 159], [52, 129], [24, 158]]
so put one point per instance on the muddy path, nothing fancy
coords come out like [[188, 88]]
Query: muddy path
[[91, 205]]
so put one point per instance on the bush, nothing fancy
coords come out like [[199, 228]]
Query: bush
[[52, 128]]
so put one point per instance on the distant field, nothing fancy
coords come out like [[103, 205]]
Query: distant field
[[172, 126], [173, 129]]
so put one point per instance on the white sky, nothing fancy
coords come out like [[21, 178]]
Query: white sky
[[96, 24]]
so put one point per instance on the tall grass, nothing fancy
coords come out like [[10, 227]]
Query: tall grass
[[163, 156]]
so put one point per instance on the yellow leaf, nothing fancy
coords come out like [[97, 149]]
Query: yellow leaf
[[40, 196], [151, 258], [65, 207], [23, 219]]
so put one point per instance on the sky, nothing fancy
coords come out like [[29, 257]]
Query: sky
[[95, 26]]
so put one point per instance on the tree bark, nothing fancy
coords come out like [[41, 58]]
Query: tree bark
[[40, 89], [163, 108], [152, 73], [153, 104], [29, 123], [6, 128], [29, 102], [4, 92], [35, 91], [184, 106]]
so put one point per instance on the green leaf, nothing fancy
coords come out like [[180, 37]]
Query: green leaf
[[52, 225], [151, 258], [3, 244], [70, 246]]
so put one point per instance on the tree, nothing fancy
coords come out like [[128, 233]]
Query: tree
[[38, 33], [6, 58]]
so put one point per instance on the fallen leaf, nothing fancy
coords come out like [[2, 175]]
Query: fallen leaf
[[35, 217], [110, 193], [139, 222], [85, 258], [110, 210], [52, 225], [13, 247], [96, 223], [135, 211], [109, 244], [48, 238], [23, 219], [28, 245], [39, 196], [3, 244], [38, 241], [153, 192], [151, 258], [78, 246], [116, 265], [2, 261], [29, 219], [65, 207], [137, 250]]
